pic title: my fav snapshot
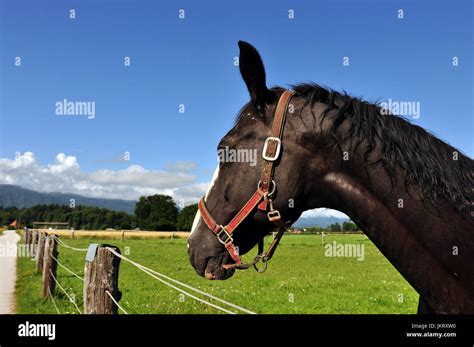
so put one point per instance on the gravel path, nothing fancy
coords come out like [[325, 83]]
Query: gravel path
[[8, 242]]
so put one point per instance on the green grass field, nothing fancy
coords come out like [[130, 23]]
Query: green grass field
[[299, 279]]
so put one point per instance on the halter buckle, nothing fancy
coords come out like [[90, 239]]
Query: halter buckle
[[228, 236], [273, 215], [277, 150]]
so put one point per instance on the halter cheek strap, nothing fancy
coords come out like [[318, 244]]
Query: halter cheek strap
[[262, 198], [224, 233]]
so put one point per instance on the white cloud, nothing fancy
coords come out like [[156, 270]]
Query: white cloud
[[323, 212], [63, 163], [21, 161], [66, 176]]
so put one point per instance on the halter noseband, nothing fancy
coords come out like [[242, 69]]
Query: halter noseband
[[262, 198]]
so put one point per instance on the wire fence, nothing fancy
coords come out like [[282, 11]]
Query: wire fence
[[223, 306], [70, 247], [54, 301], [115, 302], [67, 269], [71, 299], [154, 274]]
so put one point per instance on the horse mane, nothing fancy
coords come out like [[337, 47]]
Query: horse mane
[[427, 161]]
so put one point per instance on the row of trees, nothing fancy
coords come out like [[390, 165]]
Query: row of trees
[[344, 227], [156, 212], [80, 217]]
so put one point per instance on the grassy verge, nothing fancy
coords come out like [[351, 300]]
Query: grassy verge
[[300, 279]]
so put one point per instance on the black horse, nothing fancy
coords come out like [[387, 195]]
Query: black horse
[[410, 192]]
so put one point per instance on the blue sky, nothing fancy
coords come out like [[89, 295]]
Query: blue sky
[[190, 61]]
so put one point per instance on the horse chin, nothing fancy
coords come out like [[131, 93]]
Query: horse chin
[[215, 269]]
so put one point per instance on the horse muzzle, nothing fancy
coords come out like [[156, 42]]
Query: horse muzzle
[[216, 267]]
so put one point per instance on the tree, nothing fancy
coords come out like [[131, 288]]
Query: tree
[[156, 212], [186, 217], [8, 215], [335, 227], [125, 225], [80, 217], [349, 226], [142, 211]]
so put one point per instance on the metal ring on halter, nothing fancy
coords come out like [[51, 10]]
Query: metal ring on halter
[[270, 193], [264, 260]]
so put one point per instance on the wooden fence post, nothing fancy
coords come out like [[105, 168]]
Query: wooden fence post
[[101, 275], [34, 243], [49, 265], [27, 236], [27, 242], [40, 251]]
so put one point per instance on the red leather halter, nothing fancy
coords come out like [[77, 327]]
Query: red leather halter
[[262, 198]]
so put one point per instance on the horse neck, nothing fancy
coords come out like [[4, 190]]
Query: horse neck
[[418, 241]]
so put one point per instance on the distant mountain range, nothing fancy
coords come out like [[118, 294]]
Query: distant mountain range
[[16, 196]]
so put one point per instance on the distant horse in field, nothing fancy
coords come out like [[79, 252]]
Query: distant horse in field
[[410, 192]]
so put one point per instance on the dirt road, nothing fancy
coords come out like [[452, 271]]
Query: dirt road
[[8, 242]]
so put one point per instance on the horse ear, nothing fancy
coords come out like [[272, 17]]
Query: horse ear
[[253, 72]]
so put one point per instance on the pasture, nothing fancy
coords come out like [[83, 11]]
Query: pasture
[[299, 279]]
